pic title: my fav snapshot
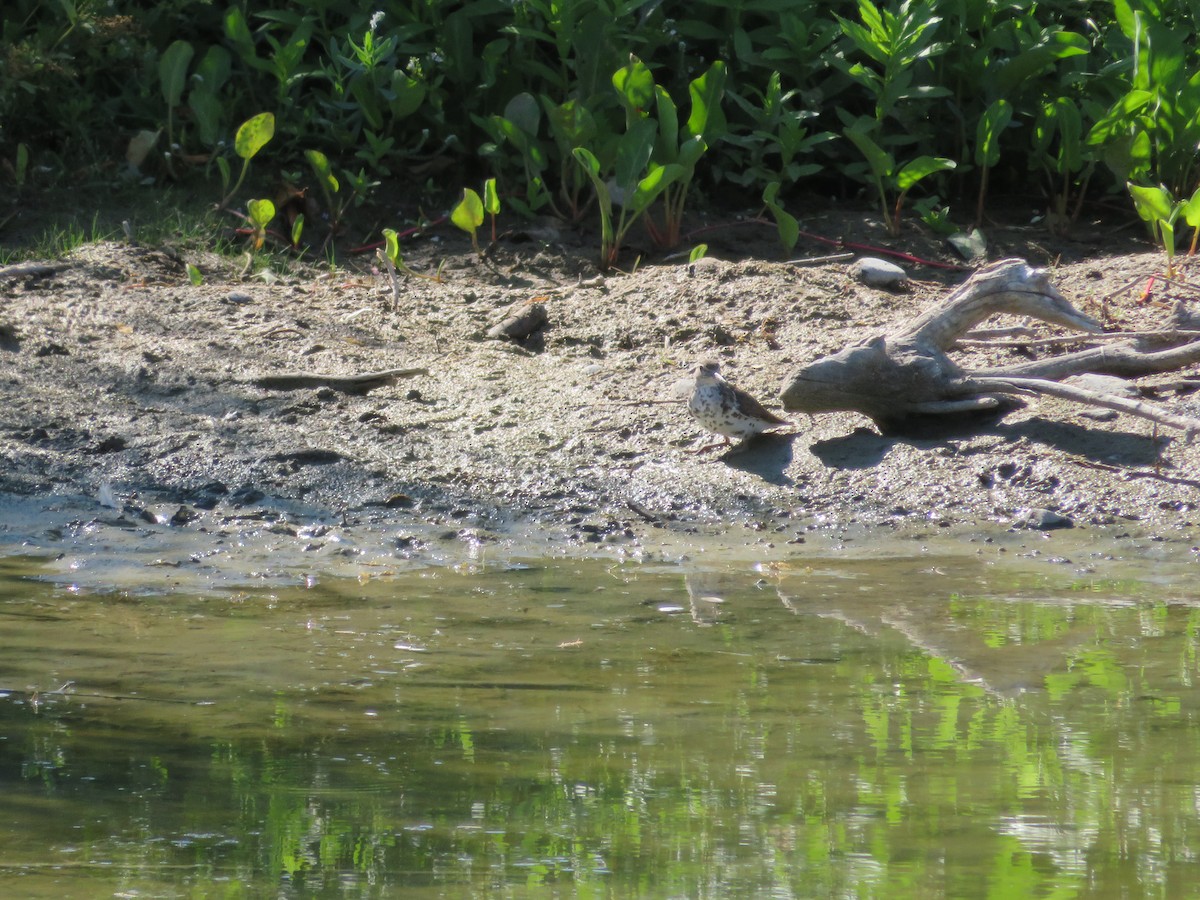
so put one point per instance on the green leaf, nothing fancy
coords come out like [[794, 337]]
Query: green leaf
[[172, 71], [591, 166], [921, 167], [195, 276], [657, 180], [322, 169], [668, 125], [987, 134], [881, 162], [1154, 204], [391, 243], [633, 153], [706, 119], [468, 214], [789, 228], [1190, 210], [297, 229], [261, 212], [698, 253], [524, 113], [254, 134], [407, 95], [491, 199], [635, 85]]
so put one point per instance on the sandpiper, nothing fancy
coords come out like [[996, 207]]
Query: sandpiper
[[726, 410]]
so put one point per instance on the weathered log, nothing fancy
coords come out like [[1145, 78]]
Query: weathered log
[[905, 379]]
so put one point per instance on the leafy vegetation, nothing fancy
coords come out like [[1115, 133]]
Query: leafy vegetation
[[577, 107]]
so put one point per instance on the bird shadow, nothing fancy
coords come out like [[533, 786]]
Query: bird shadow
[[765, 455]]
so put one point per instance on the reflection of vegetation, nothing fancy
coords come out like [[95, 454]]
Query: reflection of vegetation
[[807, 754]]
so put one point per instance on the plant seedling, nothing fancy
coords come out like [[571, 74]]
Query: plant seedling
[[468, 215], [491, 203], [884, 173], [1159, 208], [260, 213], [252, 136]]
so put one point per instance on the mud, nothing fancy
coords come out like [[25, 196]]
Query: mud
[[128, 396]]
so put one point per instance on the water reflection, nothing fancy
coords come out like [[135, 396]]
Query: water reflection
[[897, 728]]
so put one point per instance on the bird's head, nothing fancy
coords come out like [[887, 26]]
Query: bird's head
[[708, 370]]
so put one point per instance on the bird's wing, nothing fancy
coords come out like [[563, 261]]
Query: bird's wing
[[752, 407]]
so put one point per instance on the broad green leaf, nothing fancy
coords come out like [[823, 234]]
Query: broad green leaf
[[195, 276], [491, 199], [690, 152], [468, 214], [635, 85], [254, 134], [407, 95], [261, 212], [214, 68], [706, 119], [921, 167], [297, 229], [1154, 204], [987, 134], [523, 112], [698, 252], [633, 153], [1191, 210], [668, 125], [1014, 73], [208, 113], [881, 162], [172, 71], [657, 180]]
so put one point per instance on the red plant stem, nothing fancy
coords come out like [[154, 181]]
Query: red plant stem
[[838, 242]]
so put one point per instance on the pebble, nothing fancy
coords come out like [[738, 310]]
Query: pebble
[[879, 273]]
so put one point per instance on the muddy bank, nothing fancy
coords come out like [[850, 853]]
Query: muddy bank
[[128, 394]]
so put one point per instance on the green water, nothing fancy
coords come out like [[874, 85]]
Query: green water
[[830, 728]]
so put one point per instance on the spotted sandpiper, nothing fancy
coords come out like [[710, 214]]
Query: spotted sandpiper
[[729, 411]]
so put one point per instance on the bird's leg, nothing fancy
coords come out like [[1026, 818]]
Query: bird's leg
[[724, 442]]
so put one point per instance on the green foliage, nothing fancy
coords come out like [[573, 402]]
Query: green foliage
[[882, 93]]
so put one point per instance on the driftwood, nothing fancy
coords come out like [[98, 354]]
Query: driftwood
[[905, 381]]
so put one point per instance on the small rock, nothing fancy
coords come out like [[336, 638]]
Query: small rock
[[879, 273], [238, 297], [1040, 519]]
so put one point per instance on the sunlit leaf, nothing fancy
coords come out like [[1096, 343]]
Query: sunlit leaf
[[468, 214], [921, 167], [254, 134]]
